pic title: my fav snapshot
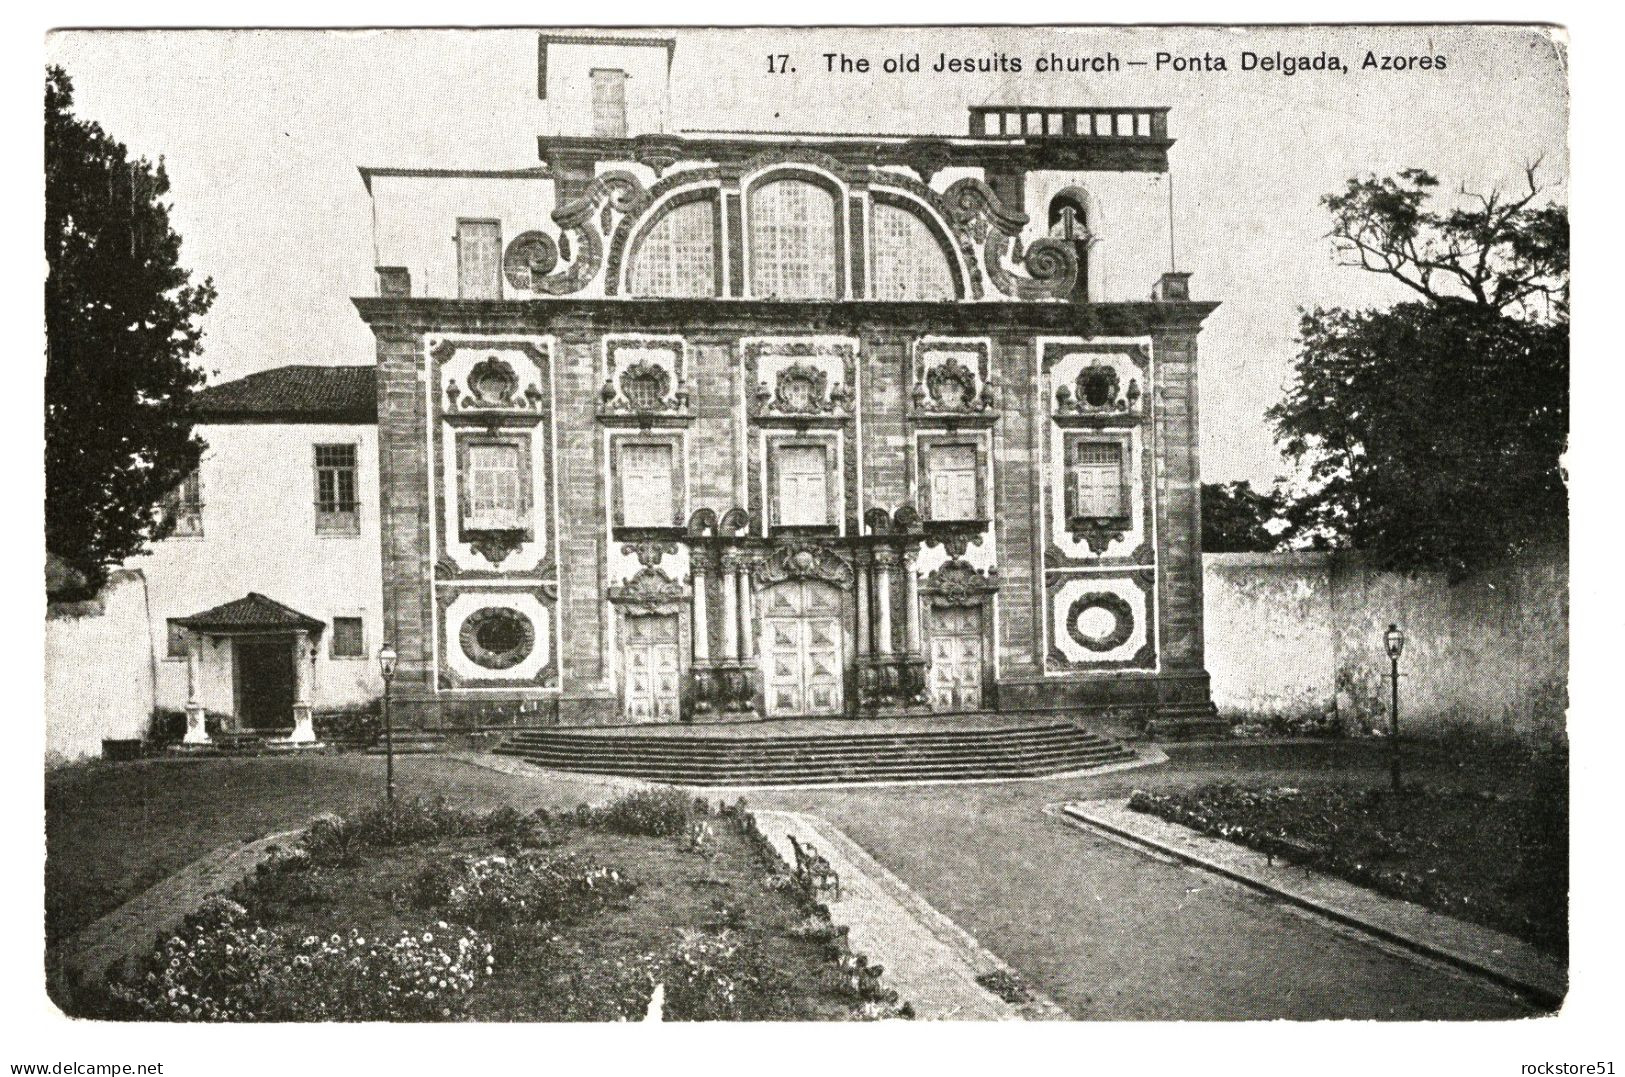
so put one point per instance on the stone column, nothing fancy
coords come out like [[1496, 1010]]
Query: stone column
[[730, 608], [911, 612], [747, 637], [883, 562], [196, 727], [700, 628], [863, 608], [304, 672]]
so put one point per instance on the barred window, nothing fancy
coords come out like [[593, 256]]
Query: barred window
[[479, 259], [792, 241], [349, 639], [803, 486], [678, 256], [495, 488], [184, 507], [951, 474], [1097, 480], [909, 263], [646, 485], [338, 507]]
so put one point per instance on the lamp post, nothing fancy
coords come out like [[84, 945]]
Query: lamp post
[[386, 665], [1393, 641]]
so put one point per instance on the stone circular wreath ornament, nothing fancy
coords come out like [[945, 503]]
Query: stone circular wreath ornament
[[530, 257], [1098, 385], [497, 637], [1100, 621]]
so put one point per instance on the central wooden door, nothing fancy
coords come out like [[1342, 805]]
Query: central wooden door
[[653, 680], [802, 648], [956, 658]]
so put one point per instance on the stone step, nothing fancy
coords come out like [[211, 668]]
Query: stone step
[[927, 755]]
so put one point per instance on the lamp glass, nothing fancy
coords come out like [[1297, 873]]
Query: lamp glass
[[1394, 641], [386, 660]]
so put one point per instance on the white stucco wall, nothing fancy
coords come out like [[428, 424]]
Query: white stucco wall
[[1128, 213], [98, 670], [415, 220], [259, 534]]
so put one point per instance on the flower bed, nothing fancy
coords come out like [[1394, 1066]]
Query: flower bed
[[428, 913], [1495, 859]]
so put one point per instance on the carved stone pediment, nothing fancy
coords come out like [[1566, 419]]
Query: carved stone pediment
[[801, 389], [958, 583], [802, 561], [650, 592], [1098, 390]]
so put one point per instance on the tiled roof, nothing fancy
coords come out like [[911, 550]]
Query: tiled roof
[[294, 394], [252, 612]]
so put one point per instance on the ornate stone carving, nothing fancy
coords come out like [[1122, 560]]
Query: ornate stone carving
[[650, 592], [1095, 532], [495, 546], [979, 217], [618, 192], [802, 561], [497, 637], [801, 389], [958, 583], [530, 257], [1098, 390], [492, 383], [1122, 620], [927, 156], [951, 386]]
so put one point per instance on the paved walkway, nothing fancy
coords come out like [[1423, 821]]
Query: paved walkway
[[1110, 932], [1499, 956], [929, 961], [130, 930]]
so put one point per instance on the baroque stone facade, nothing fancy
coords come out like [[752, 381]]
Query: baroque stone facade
[[738, 428]]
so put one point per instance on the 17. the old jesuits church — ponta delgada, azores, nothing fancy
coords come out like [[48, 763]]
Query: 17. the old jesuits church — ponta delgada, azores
[[685, 426]]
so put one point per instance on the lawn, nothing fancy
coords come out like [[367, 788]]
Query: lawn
[[1495, 855], [434, 914], [114, 829]]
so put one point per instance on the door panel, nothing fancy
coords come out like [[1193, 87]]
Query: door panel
[[652, 670], [956, 658], [803, 649]]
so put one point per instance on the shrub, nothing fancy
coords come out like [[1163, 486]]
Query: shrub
[[707, 977], [359, 724], [512, 830], [222, 966], [654, 813], [498, 890]]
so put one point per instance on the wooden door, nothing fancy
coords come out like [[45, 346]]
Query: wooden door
[[956, 658], [803, 650], [265, 681], [652, 673]]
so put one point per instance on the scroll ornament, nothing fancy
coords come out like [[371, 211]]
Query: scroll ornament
[[979, 217]]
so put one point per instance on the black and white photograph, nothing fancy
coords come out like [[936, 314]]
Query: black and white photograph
[[564, 525]]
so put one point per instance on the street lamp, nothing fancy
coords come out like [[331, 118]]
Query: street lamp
[[386, 665], [1393, 641]]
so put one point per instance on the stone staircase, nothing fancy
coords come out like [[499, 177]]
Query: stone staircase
[[693, 758]]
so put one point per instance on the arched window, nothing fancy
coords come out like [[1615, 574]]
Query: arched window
[[909, 262], [678, 256], [792, 240], [1069, 220]]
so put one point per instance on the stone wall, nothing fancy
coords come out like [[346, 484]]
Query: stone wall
[[1296, 634], [98, 681]]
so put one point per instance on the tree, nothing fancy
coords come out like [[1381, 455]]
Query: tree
[[1430, 434], [121, 326], [1235, 518]]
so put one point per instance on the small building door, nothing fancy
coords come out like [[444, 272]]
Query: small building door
[[264, 681], [652, 675], [956, 658]]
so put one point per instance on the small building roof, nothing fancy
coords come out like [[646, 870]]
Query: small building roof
[[294, 394], [250, 614]]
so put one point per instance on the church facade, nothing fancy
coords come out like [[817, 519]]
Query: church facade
[[709, 426]]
